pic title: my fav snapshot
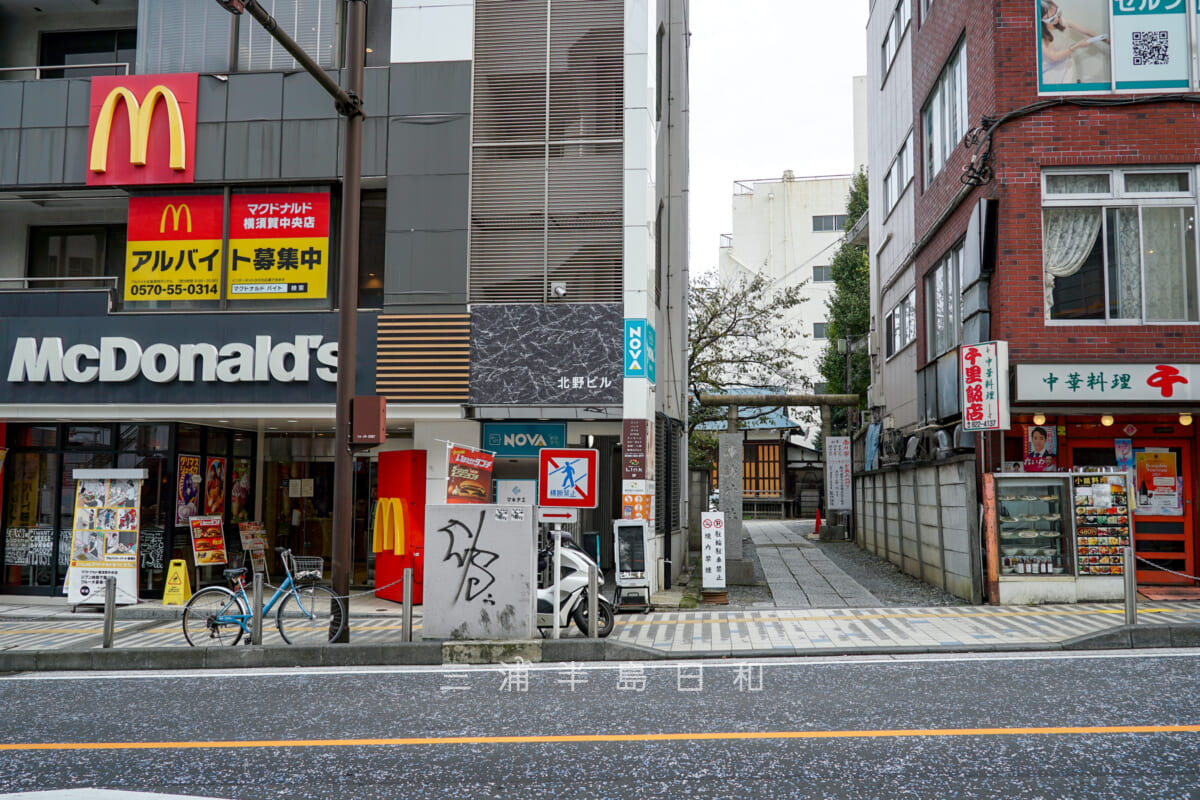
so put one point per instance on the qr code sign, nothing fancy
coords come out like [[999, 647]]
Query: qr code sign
[[1151, 48]]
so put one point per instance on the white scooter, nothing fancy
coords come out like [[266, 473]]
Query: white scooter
[[572, 587]]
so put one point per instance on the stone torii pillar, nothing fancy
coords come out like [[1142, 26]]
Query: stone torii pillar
[[740, 571]]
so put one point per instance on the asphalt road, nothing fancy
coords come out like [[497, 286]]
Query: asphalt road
[[1030, 726]]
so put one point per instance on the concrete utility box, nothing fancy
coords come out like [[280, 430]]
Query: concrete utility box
[[480, 572]]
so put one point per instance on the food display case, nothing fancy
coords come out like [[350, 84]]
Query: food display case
[[1034, 526], [1056, 537], [1102, 529]]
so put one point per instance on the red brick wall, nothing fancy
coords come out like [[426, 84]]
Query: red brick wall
[[1002, 76]]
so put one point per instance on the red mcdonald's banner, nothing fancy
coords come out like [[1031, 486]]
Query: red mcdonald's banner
[[142, 130]]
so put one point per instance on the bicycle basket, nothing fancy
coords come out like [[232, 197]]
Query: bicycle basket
[[307, 567]]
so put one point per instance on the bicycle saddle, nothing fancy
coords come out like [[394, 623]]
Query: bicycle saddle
[[234, 573]]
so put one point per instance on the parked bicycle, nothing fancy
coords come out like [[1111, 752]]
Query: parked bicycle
[[309, 613]]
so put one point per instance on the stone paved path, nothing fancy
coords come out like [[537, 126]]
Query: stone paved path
[[799, 574]]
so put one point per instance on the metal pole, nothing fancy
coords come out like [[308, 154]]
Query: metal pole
[[256, 624], [110, 609], [1130, 587], [406, 631], [593, 608], [343, 469], [557, 534]]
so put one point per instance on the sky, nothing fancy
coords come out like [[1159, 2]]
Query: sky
[[770, 91]]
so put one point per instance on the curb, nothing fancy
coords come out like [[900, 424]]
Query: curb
[[438, 653]]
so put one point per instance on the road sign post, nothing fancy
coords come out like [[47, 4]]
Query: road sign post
[[568, 478]]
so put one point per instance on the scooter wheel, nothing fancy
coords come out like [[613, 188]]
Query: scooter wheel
[[604, 618]]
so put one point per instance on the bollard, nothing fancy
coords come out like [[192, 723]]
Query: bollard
[[1130, 587], [256, 624], [110, 609], [406, 631], [593, 608]]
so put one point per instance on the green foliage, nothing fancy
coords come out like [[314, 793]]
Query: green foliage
[[849, 308], [739, 340]]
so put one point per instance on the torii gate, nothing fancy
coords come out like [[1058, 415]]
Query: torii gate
[[738, 570]]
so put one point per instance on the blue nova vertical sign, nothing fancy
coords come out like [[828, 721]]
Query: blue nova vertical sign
[[639, 349]]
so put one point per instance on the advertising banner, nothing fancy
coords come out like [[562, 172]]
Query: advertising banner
[[173, 250], [208, 541], [187, 493], [214, 487], [104, 539], [1041, 448], [279, 246], [254, 544], [468, 474], [1074, 54], [1157, 484], [1150, 44], [239, 491]]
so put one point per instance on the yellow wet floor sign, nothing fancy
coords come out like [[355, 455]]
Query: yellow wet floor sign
[[178, 589]]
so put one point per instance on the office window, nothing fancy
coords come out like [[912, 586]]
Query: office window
[[819, 330], [899, 175], [944, 116], [822, 274], [314, 24], [901, 15], [943, 304], [901, 325], [829, 222], [1120, 246], [74, 49]]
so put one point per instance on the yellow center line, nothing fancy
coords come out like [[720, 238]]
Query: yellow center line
[[614, 738], [954, 617]]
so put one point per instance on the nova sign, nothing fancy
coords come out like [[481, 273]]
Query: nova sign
[[119, 359]]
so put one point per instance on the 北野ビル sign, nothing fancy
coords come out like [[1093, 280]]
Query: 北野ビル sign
[[174, 248], [279, 246], [142, 129]]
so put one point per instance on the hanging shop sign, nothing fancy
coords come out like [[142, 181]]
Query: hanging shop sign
[[104, 535], [838, 474], [142, 129], [1110, 383], [468, 474], [984, 373], [279, 246], [518, 439], [173, 250], [639, 349], [208, 541]]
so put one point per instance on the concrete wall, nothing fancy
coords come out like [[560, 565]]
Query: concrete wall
[[925, 520]]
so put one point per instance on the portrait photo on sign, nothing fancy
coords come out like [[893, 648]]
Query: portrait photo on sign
[[1041, 448]]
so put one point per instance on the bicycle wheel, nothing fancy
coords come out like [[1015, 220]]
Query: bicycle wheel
[[212, 618], [311, 614]]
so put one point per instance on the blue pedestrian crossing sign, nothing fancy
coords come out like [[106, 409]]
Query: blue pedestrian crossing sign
[[639, 349]]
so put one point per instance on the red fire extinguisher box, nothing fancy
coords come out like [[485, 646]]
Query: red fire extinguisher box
[[402, 475]]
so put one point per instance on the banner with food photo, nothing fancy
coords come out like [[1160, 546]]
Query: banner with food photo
[[208, 541], [104, 535], [187, 495], [468, 474]]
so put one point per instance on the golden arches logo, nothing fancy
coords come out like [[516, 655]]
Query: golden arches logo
[[390, 524], [140, 116], [176, 211]]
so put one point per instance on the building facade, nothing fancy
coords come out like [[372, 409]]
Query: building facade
[[175, 310], [1054, 202]]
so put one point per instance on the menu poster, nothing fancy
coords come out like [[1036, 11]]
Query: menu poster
[[1101, 524], [468, 474], [187, 496], [254, 544], [1158, 484], [208, 541], [104, 539]]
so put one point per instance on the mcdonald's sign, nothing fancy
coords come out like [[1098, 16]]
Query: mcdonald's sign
[[173, 248], [142, 130]]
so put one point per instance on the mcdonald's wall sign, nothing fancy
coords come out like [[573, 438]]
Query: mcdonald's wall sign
[[142, 130]]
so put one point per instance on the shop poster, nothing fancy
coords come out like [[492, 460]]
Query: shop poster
[[239, 491], [1041, 448], [187, 495], [214, 487], [104, 538], [208, 541], [1158, 484], [254, 543], [468, 474]]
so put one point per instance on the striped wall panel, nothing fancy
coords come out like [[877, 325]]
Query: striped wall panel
[[424, 358]]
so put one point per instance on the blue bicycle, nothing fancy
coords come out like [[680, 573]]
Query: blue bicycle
[[309, 613]]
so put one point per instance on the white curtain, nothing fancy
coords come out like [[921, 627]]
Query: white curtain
[[1069, 234], [1125, 266], [1166, 242]]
